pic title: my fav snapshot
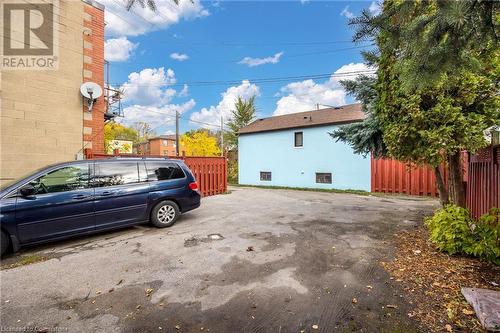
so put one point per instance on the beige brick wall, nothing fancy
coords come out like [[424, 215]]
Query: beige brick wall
[[41, 119]]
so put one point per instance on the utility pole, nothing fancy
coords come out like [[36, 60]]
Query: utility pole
[[176, 133], [222, 135]]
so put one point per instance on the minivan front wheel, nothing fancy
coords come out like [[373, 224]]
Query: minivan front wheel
[[164, 214], [4, 245]]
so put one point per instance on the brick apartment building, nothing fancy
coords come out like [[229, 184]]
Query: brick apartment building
[[159, 145], [44, 118]]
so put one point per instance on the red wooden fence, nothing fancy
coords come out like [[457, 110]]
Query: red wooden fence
[[210, 172], [483, 181], [392, 176]]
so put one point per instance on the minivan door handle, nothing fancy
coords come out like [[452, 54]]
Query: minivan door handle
[[80, 196], [106, 193]]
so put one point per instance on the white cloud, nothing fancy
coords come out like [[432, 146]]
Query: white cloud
[[184, 92], [304, 95], [212, 114], [118, 49], [304, 1], [150, 86], [351, 71], [179, 56], [375, 8], [153, 115], [251, 62], [138, 21], [347, 13]]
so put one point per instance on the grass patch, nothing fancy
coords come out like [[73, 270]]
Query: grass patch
[[328, 190], [25, 260]]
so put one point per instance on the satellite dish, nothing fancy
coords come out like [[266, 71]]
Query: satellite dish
[[91, 91]]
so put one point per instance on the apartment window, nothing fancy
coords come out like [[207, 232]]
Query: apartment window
[[265, 176], [299, 139], [165, 143], [323, 178]]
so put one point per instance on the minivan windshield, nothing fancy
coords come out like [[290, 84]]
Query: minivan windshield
[[8, 182]]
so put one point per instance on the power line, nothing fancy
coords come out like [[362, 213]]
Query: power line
[[259, 80], [203, 123], [182, 117], [219, 43]]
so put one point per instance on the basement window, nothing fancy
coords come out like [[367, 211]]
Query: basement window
[[323, 178], [265, 176], [299, 139]]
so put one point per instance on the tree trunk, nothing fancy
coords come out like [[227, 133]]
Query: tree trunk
[[443, 191], [455, 179]]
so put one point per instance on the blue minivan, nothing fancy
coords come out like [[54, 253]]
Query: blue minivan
[[88, 196]]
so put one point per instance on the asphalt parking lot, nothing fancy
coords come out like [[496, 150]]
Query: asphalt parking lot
[[254, 260]]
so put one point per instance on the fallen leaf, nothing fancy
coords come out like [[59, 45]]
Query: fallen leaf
[[250, 249], [177, 327], [111, 290], [354, 301], [120, 282], [315, 327], [138, 307], [369, 287], [467, 312], [391, 306], [448, 328]]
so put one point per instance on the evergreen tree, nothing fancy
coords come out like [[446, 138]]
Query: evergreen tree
[[432, 121], [364, 137], [242, 115]]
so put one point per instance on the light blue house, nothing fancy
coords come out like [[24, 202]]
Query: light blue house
[[295, 150]]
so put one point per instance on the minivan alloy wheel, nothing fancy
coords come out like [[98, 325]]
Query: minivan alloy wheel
[[166, 214]]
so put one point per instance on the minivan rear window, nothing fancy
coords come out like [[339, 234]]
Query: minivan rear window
[[164, 171]]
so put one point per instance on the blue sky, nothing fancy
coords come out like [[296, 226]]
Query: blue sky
[[198, 57]]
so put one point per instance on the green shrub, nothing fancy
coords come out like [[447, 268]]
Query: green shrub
[[486, 237], [449, 228], [232, 171], [454, 231]]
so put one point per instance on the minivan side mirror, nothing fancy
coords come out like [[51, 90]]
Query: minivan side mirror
[[27, 190]]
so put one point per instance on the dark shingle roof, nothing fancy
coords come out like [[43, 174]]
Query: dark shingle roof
[[340, 115]]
